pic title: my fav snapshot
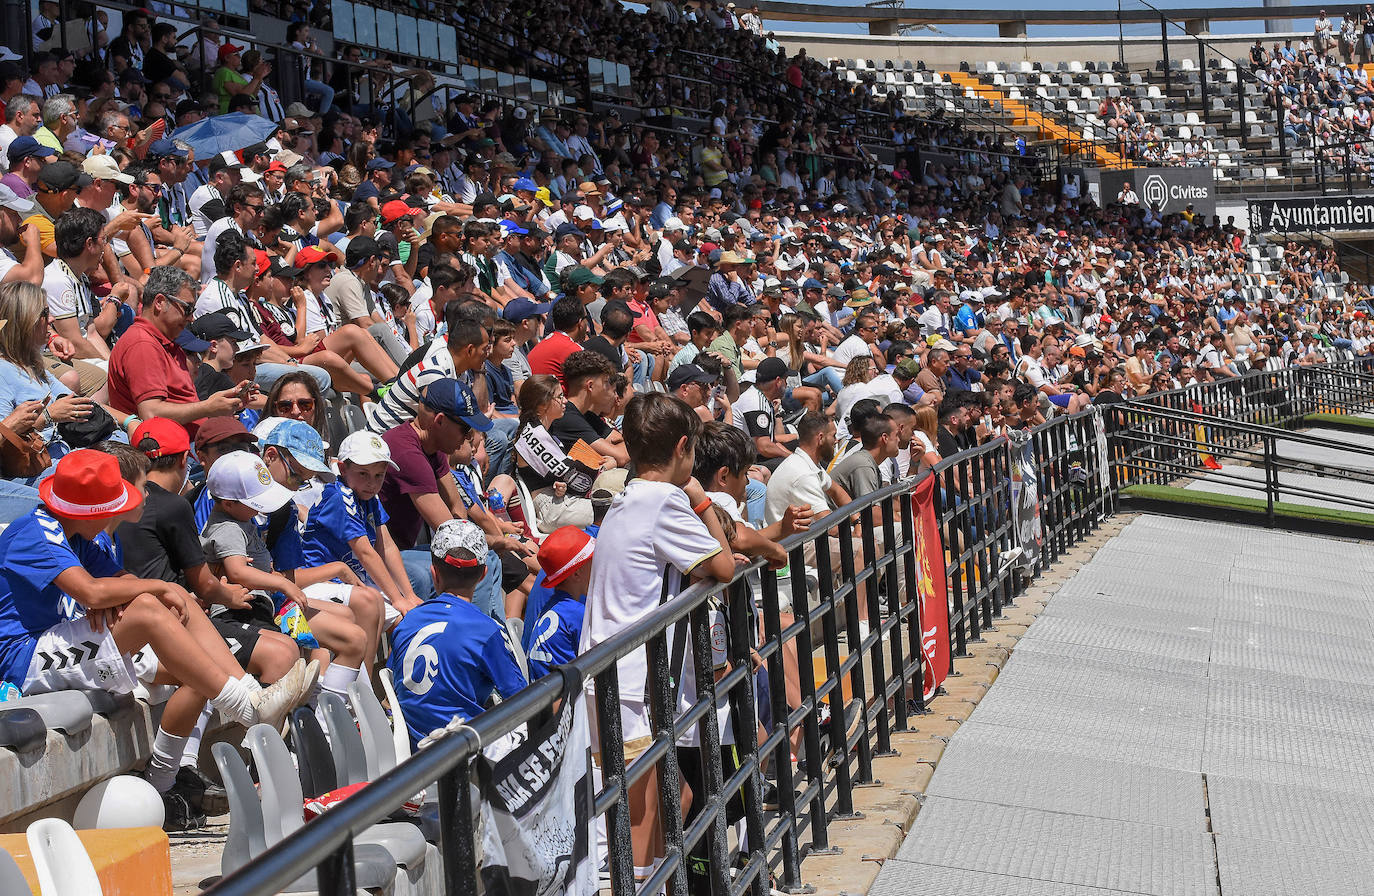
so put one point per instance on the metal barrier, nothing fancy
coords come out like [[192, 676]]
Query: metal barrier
[[1004, 511]]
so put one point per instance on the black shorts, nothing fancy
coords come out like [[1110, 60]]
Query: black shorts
[[241, 629], [513, 570]]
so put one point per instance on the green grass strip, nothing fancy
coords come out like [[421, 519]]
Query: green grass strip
[[1202, 498], [1339, 421]]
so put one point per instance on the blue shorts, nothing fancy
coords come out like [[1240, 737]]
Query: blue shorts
[[1061, 401]]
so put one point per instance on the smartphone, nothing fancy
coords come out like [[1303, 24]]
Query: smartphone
[[245, 391]]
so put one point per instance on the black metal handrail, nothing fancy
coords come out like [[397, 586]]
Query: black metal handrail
[[859, 560]]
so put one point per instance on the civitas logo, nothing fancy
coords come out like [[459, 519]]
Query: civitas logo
[[1155, 190]]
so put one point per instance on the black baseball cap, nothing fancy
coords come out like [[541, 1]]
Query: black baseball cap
[[688, 373]]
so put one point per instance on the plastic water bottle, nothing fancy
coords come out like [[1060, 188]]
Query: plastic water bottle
[[497, 505]]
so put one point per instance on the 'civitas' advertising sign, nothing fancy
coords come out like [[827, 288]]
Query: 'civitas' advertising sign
[[1172, 189], [1312, 213]]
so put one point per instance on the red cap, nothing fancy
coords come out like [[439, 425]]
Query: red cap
[[168, 437], [226, 49], [563, 553], [277, 166], [395, 210], [312, 255], [87, 485]]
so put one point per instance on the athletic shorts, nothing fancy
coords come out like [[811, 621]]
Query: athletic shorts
[[1061, 401], [339, 593], [71, 656], [240, 635]]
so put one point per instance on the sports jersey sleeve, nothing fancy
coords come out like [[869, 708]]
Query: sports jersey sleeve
[[682, 539], [41, 555], [758, 423], [501, 666]]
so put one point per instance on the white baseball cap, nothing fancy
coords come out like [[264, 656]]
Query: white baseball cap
[[102, 167], [243, 477], [464, 535], [674, 223], [13, 201], [584, 213], [364, 448]]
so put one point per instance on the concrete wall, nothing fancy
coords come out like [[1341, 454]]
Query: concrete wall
[[944, 53]]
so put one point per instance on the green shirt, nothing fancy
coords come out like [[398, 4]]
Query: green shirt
[[226, 75], [724, 346]]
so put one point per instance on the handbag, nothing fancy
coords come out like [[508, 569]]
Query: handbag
[[96, 428], [22, 457]]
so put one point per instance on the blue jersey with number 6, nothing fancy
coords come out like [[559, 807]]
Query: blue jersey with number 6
[[447, 657]]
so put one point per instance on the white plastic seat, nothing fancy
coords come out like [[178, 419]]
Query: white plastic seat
[[60, 860]]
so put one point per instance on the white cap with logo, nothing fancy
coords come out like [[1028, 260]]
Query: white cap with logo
[[243, 477], [364, 448]]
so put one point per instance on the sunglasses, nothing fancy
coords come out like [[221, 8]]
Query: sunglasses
[[287, 405], [186, 308]]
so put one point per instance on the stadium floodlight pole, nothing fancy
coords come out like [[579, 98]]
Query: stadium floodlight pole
[[1120, 37]]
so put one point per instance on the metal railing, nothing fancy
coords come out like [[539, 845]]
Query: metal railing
[[862, 560], [853, 689]]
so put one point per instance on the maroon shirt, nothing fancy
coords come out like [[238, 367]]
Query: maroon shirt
[[419, 474]]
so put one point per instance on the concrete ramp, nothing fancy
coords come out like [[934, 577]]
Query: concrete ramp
[[1189, 716]]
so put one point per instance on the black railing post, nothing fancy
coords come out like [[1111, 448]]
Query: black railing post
[[611, 758], [875, 622], [458, 830], [1202, 69], [1270, 481], [336, 873], [1164, 42]]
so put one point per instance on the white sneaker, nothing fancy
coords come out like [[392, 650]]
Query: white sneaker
[[312, 678], [275, 701]]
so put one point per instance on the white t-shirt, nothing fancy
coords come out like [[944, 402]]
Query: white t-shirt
[[657, 538], [852, 347], [1032, 371], [203, 194], [797, 480], [69, 294], [217, 296], [752, 414]]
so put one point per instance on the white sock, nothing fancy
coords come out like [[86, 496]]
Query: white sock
[[191, 755], [337, 678], [162, 768], [250, 682], [236, 702]]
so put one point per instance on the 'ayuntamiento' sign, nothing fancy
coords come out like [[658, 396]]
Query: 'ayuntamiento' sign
[[1312, 213]]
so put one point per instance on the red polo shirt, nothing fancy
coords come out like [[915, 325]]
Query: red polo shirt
[[548, 356], [145, 364]]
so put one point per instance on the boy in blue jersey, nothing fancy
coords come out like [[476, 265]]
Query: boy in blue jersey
[[348, 524], [448, 656], [553, 613], [50, 557], [293, 453]]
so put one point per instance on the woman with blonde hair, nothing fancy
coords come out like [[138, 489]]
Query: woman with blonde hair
[[924, 437], [32, 400], [854, 386]]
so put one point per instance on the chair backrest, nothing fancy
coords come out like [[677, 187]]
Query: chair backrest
[[350, 760], [247, 837], [516, 629], [281, 789], [60, 860], [314, 760], [11, 878], [400, 734], [373, 728]]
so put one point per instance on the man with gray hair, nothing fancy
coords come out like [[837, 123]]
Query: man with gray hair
[[22, 118], [148, 372], [59, 122]]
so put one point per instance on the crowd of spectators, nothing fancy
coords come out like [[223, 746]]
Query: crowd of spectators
[[270, 412]]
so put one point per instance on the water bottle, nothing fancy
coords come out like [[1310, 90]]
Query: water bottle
[[497, 505]]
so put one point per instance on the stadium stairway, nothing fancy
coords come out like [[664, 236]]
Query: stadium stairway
[[1023, 114]]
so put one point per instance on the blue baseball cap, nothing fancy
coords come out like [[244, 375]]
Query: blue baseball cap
[[376, 164], [163, 149], [24, 147], [512, 227], [454, 399], [304, 443], [525, 183], [521, 308], [812, 283], [191, 342]]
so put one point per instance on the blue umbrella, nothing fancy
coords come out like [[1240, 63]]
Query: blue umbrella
[[233, 131]]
